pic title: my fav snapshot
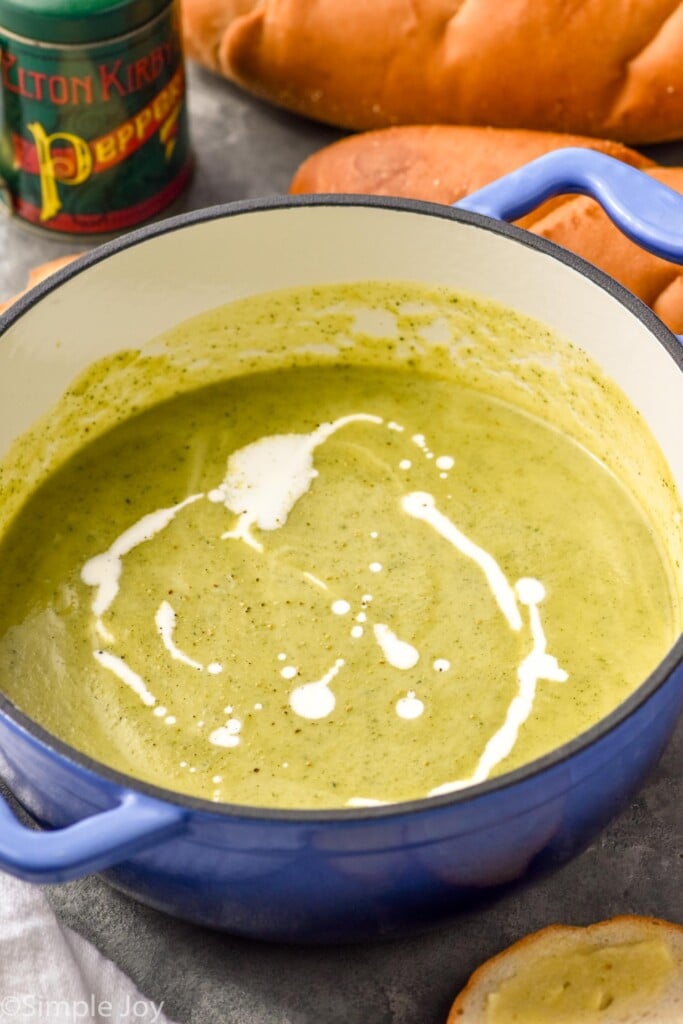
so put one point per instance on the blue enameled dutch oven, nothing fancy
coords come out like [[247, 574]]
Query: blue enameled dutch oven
[[344, 874]]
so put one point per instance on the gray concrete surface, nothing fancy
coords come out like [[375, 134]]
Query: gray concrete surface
[[247, 149]]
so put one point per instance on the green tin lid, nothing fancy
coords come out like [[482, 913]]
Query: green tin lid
[[69, 22]]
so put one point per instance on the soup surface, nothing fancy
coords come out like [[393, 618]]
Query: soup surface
[[327, 584]]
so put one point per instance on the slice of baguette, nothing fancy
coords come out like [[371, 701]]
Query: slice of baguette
[[633, 967]]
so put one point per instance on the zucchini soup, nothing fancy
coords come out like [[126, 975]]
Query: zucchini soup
[[335, 547]]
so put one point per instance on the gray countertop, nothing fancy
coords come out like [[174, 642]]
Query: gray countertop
[[245, 149]]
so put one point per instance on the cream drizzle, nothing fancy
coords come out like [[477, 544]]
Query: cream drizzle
[[263, 482], [265, 479], [103, 571], [315, 581], [166, 621], [422, 506], [537, 665], [126, 674]]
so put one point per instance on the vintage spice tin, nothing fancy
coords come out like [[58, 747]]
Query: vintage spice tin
[[93, 119]]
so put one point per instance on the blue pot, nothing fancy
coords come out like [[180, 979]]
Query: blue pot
[[348, 874]]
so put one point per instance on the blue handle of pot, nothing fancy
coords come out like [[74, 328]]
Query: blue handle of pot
[[93, 844], [649, 213]]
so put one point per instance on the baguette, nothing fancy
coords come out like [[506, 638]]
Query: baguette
[[628, 970], [602, 68], [444, 163]]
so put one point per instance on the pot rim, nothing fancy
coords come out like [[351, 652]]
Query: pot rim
[[527, 772]]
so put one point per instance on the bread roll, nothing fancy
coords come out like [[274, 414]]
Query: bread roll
[[444, 163], [604, 67], [38, 274], [441, 163], [580, 224], [628, 970]]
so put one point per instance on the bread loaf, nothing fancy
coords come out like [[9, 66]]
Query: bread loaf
[[628, 970], [604, 67], [444, 163]]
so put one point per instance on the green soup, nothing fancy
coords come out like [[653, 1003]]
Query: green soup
[[341, 573]]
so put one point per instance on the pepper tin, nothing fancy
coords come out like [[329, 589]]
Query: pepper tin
[[93, 119]]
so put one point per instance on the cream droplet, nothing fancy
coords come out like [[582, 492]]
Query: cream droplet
[[529, 591], [445, 462], [315, 699], [375, 567], [226, 735], [441, 665], [341, 607], [397, 652], [288, 672], [409, 707]]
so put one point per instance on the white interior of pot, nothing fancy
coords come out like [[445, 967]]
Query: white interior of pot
[[143, 290]]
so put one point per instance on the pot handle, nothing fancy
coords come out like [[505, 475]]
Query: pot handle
[[649, 213], [90, 845]]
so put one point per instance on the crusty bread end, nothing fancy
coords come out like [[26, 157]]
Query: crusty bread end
[[663, 1005]]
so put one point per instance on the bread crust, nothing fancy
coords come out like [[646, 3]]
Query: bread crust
[[596, 67], [443, 163], [470, 1005]]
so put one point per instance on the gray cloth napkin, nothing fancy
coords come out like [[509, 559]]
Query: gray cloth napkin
[[50, 974]]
